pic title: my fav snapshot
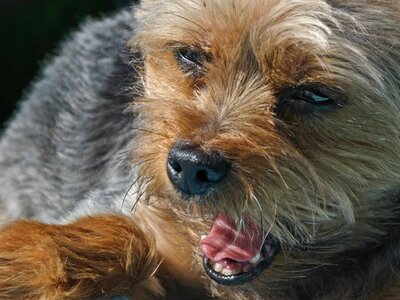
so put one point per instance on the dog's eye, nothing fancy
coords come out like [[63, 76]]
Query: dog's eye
[[313, 96], [191, 61], [190, 57], [309, 99]]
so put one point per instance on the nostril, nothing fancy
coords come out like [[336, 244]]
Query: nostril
[[202, 176], [208, 176], [175, 165]]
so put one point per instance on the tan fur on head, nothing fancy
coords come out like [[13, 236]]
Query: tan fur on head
[[316, 180]]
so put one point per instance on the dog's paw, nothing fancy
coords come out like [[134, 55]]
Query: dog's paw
[[94, 257]]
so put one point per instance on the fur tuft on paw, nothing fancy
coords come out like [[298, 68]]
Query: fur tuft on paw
[[95, 257]]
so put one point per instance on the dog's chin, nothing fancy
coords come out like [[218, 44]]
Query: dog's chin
[[234, 257]]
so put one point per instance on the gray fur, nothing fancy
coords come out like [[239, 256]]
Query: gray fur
[[65, 153]]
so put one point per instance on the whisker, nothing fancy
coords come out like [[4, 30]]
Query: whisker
[[150, 132], [308, 269], [139, 192], [129, 189]]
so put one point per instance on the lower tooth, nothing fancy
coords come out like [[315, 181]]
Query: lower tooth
[[217, 267], [228, 272], [256, 258], [235, 271]]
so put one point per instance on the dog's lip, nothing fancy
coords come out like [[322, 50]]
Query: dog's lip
[[244, 277]]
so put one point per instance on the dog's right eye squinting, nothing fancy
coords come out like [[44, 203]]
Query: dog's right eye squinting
[[311, 99], [313, 96]]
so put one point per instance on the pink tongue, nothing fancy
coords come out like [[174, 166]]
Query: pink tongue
[[226, 242]]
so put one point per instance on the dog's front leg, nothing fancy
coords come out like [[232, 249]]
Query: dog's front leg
[[92, 258]]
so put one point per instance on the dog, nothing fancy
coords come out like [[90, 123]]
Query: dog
[[202, 149]]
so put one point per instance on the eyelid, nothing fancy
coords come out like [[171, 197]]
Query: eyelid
[[314, 96], [183, 51], [297, 101], [192, 67], [321, 93]]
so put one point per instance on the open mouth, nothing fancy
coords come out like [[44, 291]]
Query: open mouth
[[234, 257]]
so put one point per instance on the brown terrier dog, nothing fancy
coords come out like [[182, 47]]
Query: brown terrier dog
[[266, 156]]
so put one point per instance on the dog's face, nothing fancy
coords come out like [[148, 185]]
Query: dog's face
[[276, 122]]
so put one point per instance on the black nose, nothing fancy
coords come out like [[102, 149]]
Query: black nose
[[193, 171]]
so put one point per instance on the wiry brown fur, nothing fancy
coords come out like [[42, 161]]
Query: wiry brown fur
[[91, 258], [325, 184], [315, 181]]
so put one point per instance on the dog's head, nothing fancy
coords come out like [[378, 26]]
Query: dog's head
[[276, 122]]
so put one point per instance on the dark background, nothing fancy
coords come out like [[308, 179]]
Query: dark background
[[30, 31]]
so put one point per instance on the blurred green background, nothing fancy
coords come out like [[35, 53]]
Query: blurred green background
[[30, 31]]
